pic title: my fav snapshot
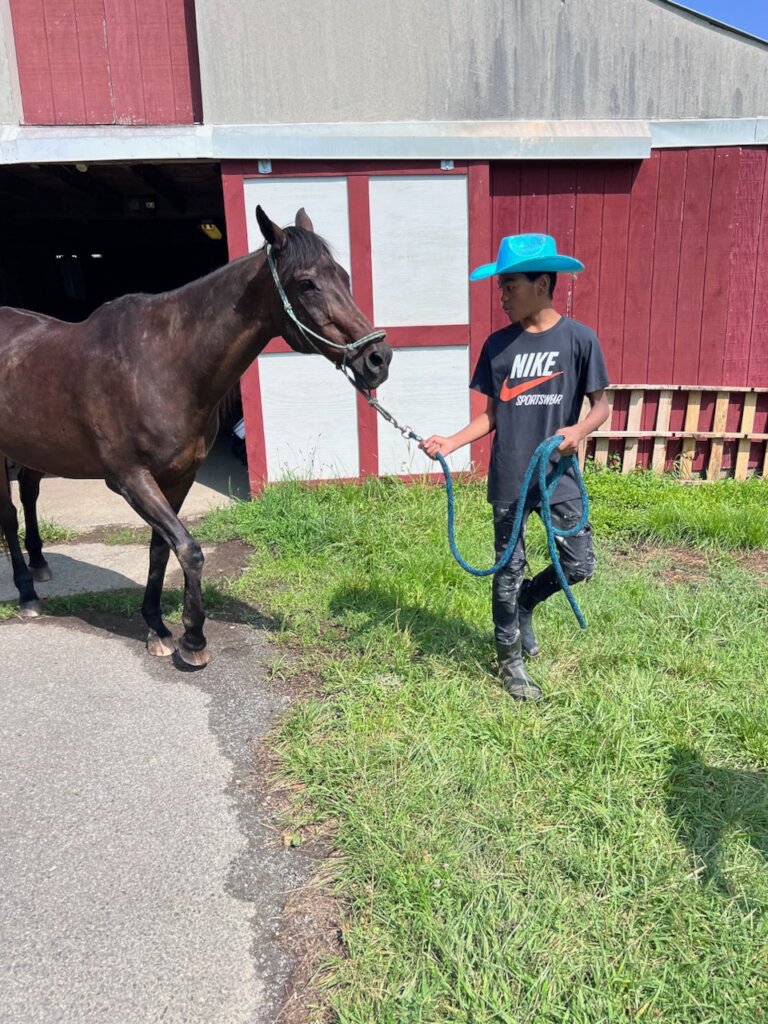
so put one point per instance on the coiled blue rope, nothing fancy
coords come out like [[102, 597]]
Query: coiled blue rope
[[538, 464]]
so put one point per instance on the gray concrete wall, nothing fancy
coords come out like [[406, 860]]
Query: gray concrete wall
[[10, 104], [267, 61]]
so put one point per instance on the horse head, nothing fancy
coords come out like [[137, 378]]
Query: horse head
[[315, 309]]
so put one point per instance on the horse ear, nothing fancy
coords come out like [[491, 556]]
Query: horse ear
[[303, 221], [274, 235]]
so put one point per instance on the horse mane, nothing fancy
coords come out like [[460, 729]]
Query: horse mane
[[304, 248]]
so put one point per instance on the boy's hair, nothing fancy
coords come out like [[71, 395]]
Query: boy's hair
[[533, 274]]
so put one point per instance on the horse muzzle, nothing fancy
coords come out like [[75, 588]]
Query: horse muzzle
[[371, 368]]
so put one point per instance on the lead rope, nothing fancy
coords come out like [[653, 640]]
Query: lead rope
[[538, 464], [539, 461]]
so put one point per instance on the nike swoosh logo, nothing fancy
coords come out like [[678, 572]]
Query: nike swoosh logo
[[507, 393]]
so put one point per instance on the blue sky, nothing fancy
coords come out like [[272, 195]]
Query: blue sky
[[749, 15]]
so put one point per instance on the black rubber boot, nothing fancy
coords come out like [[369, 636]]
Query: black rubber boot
[[513, 674], [525, 618]]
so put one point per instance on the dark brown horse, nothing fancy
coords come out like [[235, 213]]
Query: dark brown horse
[[130, 395]]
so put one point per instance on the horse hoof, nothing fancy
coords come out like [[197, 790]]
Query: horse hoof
[[30, 610], [42, 575], [196, 659], [160, 646]]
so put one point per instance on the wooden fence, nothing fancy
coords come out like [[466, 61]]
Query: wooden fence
[[700, 432]]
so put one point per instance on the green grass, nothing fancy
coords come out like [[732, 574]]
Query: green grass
[[726, 514], [51, 532], [127, 535], [600, 857]]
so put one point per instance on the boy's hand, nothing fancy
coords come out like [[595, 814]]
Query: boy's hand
[[434, 444], [571, 440]]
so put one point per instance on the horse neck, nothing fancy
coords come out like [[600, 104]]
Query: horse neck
[[220, 323]]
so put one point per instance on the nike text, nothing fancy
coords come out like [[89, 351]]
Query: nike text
[[532, 364]]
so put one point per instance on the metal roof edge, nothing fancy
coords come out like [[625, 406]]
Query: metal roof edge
[[407, 140], [400, 140], [31, 144], [722, 131], [470, 140]]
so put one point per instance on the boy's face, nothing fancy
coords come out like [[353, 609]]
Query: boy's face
[[521, 298]]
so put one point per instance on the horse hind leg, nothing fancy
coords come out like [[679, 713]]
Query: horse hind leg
[[29, 490], [159, 639], [9, 525]]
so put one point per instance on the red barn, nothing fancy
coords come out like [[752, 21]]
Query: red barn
[[137, 137]]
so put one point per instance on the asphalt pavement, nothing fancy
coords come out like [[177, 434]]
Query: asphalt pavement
[[141, 877]]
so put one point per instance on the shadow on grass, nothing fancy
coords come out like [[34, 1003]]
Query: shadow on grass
[[706, 804], [432, 633]]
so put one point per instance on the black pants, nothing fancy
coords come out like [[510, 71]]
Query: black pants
[[577, 558]]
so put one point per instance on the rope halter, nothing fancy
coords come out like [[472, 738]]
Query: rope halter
[[308, 334]]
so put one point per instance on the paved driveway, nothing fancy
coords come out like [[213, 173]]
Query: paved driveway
[[141, 878]]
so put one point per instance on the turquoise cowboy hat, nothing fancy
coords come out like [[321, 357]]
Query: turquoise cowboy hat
[[520, 254]]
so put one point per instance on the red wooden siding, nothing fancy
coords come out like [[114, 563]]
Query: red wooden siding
[[637, 305], [744, 261], [717, 275], [676, 255], [481, 294], [107, 61]]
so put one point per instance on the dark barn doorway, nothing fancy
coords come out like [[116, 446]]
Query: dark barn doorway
[[76, 235]]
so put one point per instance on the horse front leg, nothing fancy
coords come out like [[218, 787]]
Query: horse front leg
[[29, 490], [9, 524], [160, 639], [143, 494]]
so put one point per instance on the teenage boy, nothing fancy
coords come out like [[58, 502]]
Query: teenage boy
[[535, 374]]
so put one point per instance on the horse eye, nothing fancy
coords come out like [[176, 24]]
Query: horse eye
[[307, 286]]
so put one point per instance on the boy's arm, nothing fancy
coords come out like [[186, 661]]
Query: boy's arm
[[597, 415], [475, 429]]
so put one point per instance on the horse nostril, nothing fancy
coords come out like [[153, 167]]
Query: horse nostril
[[375, 360]]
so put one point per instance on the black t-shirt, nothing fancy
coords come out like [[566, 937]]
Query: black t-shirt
[[538, 382]]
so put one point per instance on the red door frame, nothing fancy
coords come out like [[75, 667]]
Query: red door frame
[[358, 175]]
